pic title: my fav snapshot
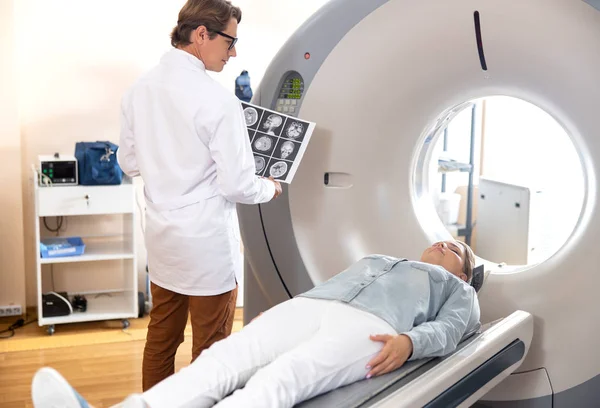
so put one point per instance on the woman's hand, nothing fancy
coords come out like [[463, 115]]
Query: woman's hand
[[393, 355]]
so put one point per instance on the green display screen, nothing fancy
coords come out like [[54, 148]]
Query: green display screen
[[292, 89]]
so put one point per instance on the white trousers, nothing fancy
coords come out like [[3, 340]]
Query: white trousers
[[294, 351]]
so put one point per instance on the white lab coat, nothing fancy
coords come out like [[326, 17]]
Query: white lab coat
[[185, 135]]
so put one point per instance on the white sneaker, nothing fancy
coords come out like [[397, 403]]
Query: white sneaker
[[133, 401], [49, 389]]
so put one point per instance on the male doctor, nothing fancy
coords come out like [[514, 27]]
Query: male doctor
[[185, 135]]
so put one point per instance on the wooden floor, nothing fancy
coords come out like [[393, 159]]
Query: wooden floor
[[103, 373]]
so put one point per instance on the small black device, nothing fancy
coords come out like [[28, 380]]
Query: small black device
[[79, 303], [56, 304]]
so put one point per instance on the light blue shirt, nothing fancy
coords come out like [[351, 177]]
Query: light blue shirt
[[423, 301]]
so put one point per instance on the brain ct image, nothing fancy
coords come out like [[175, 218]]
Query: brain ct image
[[277, 140], [250, 115], [271, 124], [260, 164], [287, 148], [295, 130], [278, 169], [263, 143]]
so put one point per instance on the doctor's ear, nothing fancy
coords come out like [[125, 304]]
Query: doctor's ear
[[200, 34]]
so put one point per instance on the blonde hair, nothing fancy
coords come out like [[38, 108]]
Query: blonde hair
[[469, 264], [212, 14]]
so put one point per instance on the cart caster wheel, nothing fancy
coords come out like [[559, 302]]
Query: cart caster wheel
[[50, 330], [125, 323]]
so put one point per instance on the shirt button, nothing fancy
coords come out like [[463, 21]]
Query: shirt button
[[362, 284], [373, 275]]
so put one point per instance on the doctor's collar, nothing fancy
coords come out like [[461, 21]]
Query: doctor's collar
[[190, 57]]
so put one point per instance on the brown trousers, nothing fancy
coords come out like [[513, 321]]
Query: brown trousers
[[211, 317]]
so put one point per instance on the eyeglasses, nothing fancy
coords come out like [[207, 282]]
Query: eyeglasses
[[233, 39]]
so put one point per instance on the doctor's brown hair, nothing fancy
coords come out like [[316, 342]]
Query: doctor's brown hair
[[212, 14], [469, 261]]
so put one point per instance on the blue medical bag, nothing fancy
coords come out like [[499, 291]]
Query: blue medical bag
[[97, 163]]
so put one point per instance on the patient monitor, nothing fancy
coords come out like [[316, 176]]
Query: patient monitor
[[364, 184]]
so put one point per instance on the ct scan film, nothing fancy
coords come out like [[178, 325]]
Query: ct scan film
[[278, 141]]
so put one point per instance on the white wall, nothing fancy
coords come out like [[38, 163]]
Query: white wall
[[12, 279], [76, 58]]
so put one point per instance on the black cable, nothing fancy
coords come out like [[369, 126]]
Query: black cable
[[59, 223], [271, 253], [52, 277], [19, 323]]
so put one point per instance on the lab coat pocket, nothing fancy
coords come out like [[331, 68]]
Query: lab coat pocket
[[193, 225]]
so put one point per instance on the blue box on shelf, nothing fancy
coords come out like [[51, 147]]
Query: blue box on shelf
[[59, 247]]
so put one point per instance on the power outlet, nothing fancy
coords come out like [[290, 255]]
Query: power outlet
[[10, 310]]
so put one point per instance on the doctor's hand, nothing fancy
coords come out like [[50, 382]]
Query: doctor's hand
[[278, 189], [393, 355]]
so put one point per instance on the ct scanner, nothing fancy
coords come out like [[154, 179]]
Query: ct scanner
[[381, 79]]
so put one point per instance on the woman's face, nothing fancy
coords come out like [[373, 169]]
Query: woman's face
[[447, 254]]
